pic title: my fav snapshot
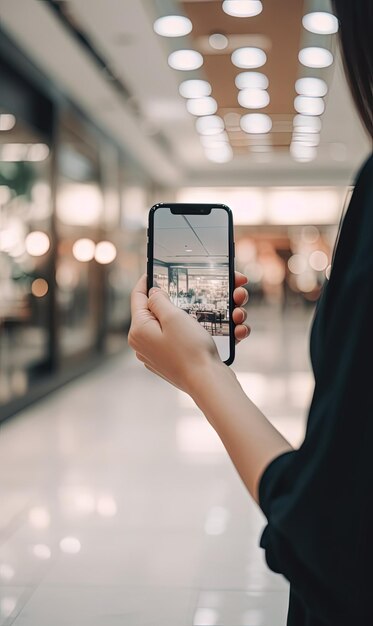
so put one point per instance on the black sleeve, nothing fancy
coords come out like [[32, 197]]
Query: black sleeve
[[318, 499]]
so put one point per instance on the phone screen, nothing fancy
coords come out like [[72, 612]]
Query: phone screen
[[191, 263]]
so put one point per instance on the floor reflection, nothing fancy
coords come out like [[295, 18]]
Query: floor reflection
[[118, 503]]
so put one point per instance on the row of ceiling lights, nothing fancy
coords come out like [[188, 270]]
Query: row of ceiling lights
[[252, 86], [309, 103]]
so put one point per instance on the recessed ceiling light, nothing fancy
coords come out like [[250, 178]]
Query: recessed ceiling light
[[219, 155], [315, 57], [320, 22], [195, 88], [309, 106], [172, 26], [218, 41], [251, 80], [185, 60], [7, 121], [210, 125], [302, 153], [211, 141], [202, 106], [249, 58], [242, 8], [306, 123], [256, 123], [314, 87], [253, 98], [306, 139]]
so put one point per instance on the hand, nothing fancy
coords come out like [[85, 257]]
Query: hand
[[169, 342]]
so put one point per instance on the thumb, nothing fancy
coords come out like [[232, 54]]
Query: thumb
[[160, 304]]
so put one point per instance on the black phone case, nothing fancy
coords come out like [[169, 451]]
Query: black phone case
[[193, 209]]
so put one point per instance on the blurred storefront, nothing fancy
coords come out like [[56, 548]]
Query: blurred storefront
[[70, 236]]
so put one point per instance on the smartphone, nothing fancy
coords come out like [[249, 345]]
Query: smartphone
[[191, 256]]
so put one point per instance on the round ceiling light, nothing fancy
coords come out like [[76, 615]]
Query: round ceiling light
[[212, 141], [242, 8], [256, 123], [309, 106], [185, 60], [313, 87], [320, 22], [210, 125], [249, 58], [306, 139], [195, 88], [253, 98], [173, 26], [221, 154], [307, 124], [218, 41], [315, 57], [7, 121], [302, 153], [251, 80], [202, 106]]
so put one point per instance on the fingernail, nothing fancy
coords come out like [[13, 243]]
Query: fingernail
[[153, 290]]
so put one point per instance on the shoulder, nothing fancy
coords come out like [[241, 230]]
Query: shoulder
[[364, 197], [364, 185], [360, 224], [366, 171]]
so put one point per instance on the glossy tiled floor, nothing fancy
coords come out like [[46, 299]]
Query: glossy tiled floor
[[119, 505]]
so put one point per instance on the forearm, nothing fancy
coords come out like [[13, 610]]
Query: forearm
[[249, 438]]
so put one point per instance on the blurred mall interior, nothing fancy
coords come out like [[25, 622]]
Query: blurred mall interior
[[118, 502]]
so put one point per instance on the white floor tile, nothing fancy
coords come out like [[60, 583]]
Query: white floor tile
[[237, 608], [108, 606]]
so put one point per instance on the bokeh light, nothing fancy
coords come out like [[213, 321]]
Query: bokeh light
[[70, 545], [84, 250], [39, 287], [105, 252], [37, 243]]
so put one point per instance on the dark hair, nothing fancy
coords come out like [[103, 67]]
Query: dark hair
[[356, 36]]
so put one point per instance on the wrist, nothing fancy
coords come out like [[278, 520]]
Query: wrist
[[211, 377]]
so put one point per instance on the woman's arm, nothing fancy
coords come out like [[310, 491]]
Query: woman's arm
[[176, 347], [249, 438]]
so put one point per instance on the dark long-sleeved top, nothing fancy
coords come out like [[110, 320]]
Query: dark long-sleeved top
[[318, 499]]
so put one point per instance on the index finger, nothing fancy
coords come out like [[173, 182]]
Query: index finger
[[240, 279], [139, 295]]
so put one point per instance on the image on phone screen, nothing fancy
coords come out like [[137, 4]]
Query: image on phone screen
[[191, 263]]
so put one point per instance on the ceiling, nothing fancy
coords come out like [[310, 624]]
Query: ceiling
[[192, 238], [152, 124], [267, 31]]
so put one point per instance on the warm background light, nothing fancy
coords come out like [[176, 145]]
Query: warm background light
[[105, 252], [39, 287], [84, 250], [37, 243]]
